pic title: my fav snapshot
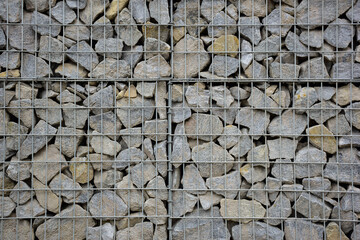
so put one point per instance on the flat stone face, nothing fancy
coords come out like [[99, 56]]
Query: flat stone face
[[101, 101], [298, 229], [308, 162], [111, 68], [34, 67], [155, 67], [68, 140], [339, 33], [224, 66], [225, 44], [63, 13], [274, 19], [107, 204], [203, 126], [322, 138], [259, 231], [221, 184], [282, 148], [41, 21], [321, 112], [130, 34], [192, 181], [83, 54], [288, 124], [241, 210], [250, 29], [102, 29], [312, 207]]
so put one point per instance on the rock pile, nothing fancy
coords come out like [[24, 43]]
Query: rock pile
[[211, 119]]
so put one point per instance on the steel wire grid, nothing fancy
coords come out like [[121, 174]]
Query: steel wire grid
[[170, 147]]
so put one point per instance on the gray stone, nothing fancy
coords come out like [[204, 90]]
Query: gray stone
[[103, 145], [11, 11], [230, 137], [203, 126], [139, 11], [76, 229], [288, 124], [102, 29], [258, 99], [347, 218], [232, 11], [104, 232], [276, 18], [101, 101], [352, 114], [63, 13], [110, 47], [131, 136], [256, 71], [142, 230], [71, 70], [83, 54], [352, 140], [68, 140], [296, 229], [146, 89], [34, 67], [92, 10], [132, 55], [243, 146], [37, 139], [325, 93], [156, 188], [130, 34], [154, 47], [353, 15], [281, 209], [68, 97], [10, 59], [106, 123], [180, 112], [256, 120], [64, 186], [282, 148], [111, 68], [350, 201], [198, 98], [17, 170], [221, 184], [76, 4], [107, 179], [283, 170], [345, 94], [343, 71], [292, 191], [132, 196], [284, 71], [148, 149], [241, 210], [181, 150], [262, 50], [314, 69], [304, 98], [183, 203], [256, 230], [309, 13], [246, 55], [356, 232], [257, 8], [249, 27], [209, 199], [317, 185], [323, 111], [208, 224], [221, 95], [48, 110], [192, 181], [155, 67], [259, 156], [313, 38], [258, 193], [21, 193], [22, 37], [159, 10], [309, 162], [47, 163], [211, 152], [16, 134], [228, 115], [253, 174], [39, 5], [160, 151], [142, 173], [193, 61], [45, 25], [156, 129], [210, 8], [129, 157], [77, 31], [75, 116], [107, 204], [30, 209], [155, 211], [221, 19], [46, 198], [339, 33], [312, 207], [294, 44]]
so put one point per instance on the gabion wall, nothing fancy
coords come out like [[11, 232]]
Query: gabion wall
[[191, 119]]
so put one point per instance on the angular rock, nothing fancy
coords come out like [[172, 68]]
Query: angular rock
[[196, 57], [250, 29], [77, 31], [180, 112], [334, 232], [345, 94], [288, 124], [225, 45], [111, 69], [283, 170], [129, 156], [142, 173], [155, 67], [183, 203], [243, 147], [207, 127], [141, 230], [282, 148], [139, 11], [304, 98], [309, 162], [110, 47], [293, 43], [159, 10], [292, 191], [83, 54], [221, 18], [181, 150], [156, 188], [71, 70], [68, 140], [314, 69], [352, 114], [132, 136], [256, 71], [105, 232], [47, 199], [10, 60], [312, 207], [256, 230], [210, 8], [222, 183], [132, 197], [253, 174], [192, 181], [256, 120], [16, 135], [322, 138], [222, 96], [106, 123], [92, 10], [321, 112], [160, 150], [63, 13], [339, 33], [45, 25], [155, 211], [230, 137], [30, 209], [241, 210], [276, 18], [11, 11], [101, 101], [75, 116], [82, 171], [154, 46], [281, 209], [198, 98], [107, 204], [209, 199], [262, 52], [284, 71], [64, 186], [34, 67], [224, 66], [130, 34], [303, 229], [317, 185], [21, 193], [103, 145], [313, 38], [259, 156], [102, 29], [48, 110]]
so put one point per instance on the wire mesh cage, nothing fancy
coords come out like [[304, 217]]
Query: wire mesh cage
[[179, 119]]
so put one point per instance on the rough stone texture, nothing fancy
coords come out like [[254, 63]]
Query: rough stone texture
[[274, 19], [304, 98], [47, 199], [106, 123], [309, 161], [229, 181], [339, 33], [312, 207], [288, 124], [83, 54], [159, 10], [256, 120], [282, 148], [224, 66], [103, 145], [155, 67], [44, 25], [203, 126], [283, 170], [34, 67], [65, 187], [192, 181], [68, 140], [181, 151], [105, 232], [107, 204], [102, 29], [130, 34], [102, 101], [155, 211], [111, 68], [241, 210], [63, 13], [322, 138], [198, 98], [293, 43], [259, 231], [142, 230], [281, 209], [303, 229], [131, 196], [77, 32], [321, 112], [225, 45]]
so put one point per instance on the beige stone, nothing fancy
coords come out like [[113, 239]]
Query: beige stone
[[47, 199], [10, 74], [131, 92], [333, 232], [155, 211], [241, 210], [16, 229], [81, 170], [326, 142], [225, 43], [347, 93], [115, 8]]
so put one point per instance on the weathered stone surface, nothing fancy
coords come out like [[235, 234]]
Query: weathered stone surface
[[132, 197], [64, 186], [281, 209], [222, 183], [106, 123], [288, 124], [304, 98], [210, 8], [16, 135], [256, 71], [203, 126], [133, 111], [224, 66], [45, 25], [107, 179], [317, 185], [10, 60], [155, 211], [111, 68], [282, 148], [17, 171], [141, 230], [183, 203], [63, 13], [154, 67], [343, 71], [356, 232], [222, 96], [352, 114], [261, 51], [83, 54], [107, 204], [325, 93], [221, 18], [37, 139], [243, 146], [258, 193], [154, 46], [334, 232], [92, 10], [256, 230], [159, 10], [77, 31], [198, 98], [103, 145], [110, 47], [312, 207], [156, 129], [250, 29], [115, 8], [225, 45], [130, 34], [246, 55], [274, 19], [211, 152], [283, 169], [68, 140], [19, 228], [256, 120], [345, 94], [196, 57], [206, 223], [156, 188], [105, 232], [71, 70], [241, 210], [48, 110], [192, 181], [322, 138], [160, 150], [350, 201], [102, 29], [259, 156], [303, 229], [47, 199], [314, 69], [181, 150], [180, 112], [339, 33], [75, 116], [309, 12], [142, 173], [81, 170], [230, 137], [30, 209], [21, 193], [34, 67], [321, 112], [101, 101], [294, 44], [11, 11], [209, 199], [309, 162], [132, 136], [129, 156], [253, 174], [313, 38], [41, 5], [73, 228]]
